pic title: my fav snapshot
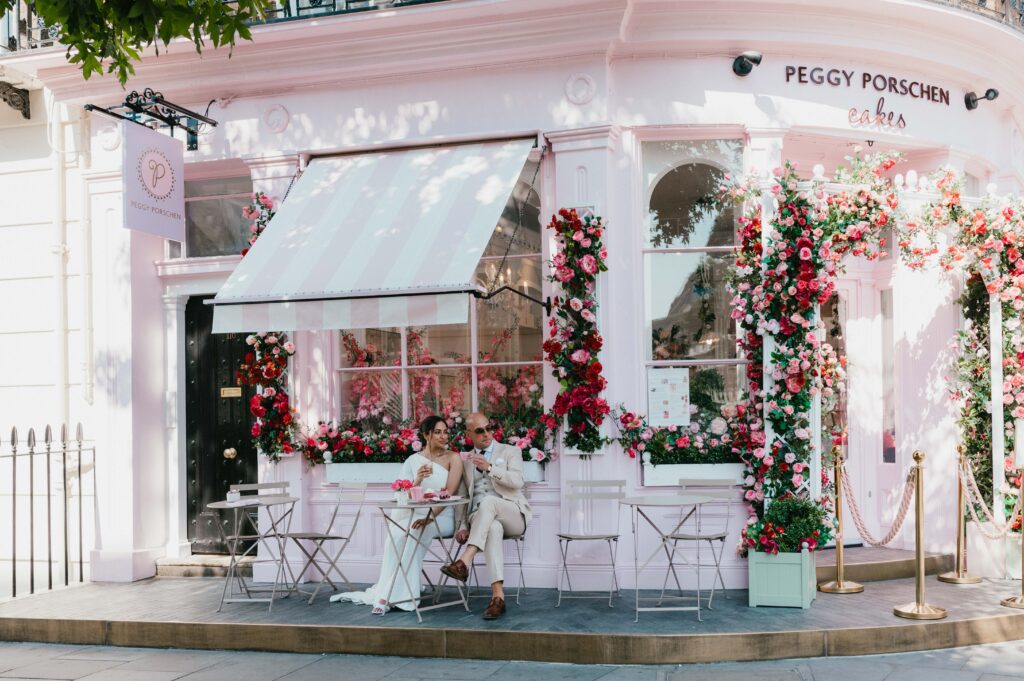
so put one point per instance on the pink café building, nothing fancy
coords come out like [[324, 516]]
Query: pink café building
[[475, 112]]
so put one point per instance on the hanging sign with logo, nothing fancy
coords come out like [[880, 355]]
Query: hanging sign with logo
[[153, 179]]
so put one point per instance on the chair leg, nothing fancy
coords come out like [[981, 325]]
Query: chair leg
[[718, 570], [522, 577], [563, 545], [614, 586]]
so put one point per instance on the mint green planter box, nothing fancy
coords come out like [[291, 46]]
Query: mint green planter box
[[785, 579]]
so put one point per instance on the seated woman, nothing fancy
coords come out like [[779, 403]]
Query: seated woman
[[435, 467]]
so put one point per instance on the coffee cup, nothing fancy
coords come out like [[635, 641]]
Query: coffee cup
[[465, 455], [234, 496]]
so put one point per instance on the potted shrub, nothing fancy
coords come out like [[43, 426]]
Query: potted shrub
[[780, 551]]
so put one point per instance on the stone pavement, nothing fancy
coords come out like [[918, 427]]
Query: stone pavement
[[994, 662]]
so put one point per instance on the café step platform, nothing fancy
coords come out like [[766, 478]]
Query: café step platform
[[181, 612]]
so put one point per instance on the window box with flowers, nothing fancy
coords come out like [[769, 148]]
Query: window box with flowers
[[781, 549], [706, 449]]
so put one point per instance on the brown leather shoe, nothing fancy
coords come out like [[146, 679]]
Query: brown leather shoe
[[456, 570], [495, 609]]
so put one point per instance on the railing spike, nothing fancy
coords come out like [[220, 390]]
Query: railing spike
[[14, 435], [31, 439], [48, 435], [64, 433], [78, 433]]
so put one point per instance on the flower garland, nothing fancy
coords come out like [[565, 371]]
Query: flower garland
[[276, 425], [775, 285], [574, 342], [986, 242], [259, 212]]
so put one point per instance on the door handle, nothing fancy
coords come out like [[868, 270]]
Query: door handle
[[230, 453]]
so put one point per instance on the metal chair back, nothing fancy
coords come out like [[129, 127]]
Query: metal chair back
[[267, 489]]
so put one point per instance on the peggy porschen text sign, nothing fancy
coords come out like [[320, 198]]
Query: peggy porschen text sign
[[153, 168], [881, 84]]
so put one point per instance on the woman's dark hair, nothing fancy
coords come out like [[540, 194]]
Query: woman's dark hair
[[427, 427]]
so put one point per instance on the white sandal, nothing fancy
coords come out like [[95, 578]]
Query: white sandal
[[380, 608]]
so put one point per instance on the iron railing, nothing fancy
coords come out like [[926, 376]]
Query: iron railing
[[49, 489], [22, 28]]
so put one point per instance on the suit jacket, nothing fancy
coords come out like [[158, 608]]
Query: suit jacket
[[506, 479]]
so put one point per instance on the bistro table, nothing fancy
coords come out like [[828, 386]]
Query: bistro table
[[279, 513], [406, 534], [637, 504]]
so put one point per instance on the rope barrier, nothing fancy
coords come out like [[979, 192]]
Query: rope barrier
[[967, 476], [901, 516]]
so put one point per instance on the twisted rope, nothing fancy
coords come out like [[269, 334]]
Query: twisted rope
[[975, 500], [901, 516]]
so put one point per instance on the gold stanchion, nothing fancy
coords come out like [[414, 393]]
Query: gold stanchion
[[919, 610], [959, 574], [839, 585], [1016, 601]]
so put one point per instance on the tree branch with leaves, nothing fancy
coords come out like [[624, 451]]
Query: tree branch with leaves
[[109, 35]]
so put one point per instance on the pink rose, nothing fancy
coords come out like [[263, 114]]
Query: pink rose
[[580, 356], [588, 264], [798, 480]]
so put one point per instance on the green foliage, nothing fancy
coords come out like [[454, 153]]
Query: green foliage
[[110, 34], [789, 523]]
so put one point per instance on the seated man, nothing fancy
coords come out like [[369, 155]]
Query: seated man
[[497, 508]]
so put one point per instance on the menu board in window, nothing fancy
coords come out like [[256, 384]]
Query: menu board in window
[[668, 396]]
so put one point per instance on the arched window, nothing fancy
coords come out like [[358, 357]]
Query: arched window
[[687, 256]]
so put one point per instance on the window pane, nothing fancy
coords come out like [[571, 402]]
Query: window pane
[[522, 209], [216, 227], [688, 314], [438, 391], [682, 179], [438, 344], [219, 186], [372, 397], [510, 328], [505, 393], [711, 388], [371, 348]]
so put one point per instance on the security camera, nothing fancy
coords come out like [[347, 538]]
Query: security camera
[[745, 63]]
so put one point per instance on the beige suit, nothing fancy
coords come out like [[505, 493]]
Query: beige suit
[[504, 513]]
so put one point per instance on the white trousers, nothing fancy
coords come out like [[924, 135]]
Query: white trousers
[[494, 519]]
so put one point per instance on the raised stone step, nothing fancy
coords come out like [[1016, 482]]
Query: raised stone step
[[870, 564], [201, 565]]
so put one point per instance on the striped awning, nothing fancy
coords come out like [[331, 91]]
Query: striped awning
[[375, 240]]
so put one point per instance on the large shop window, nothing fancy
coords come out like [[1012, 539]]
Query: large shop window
[[490, 363], [213, 217], [687, 253]]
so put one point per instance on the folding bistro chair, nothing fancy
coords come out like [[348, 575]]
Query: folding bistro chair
[[709, 523], [584, 493], [347, 493], [519, 541]]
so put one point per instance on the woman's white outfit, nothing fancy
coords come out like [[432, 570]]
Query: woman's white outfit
[[391, 585]]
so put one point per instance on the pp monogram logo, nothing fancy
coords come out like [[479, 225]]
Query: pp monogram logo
[[156, 174]]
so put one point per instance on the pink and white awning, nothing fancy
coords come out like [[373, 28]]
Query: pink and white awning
[[375, 240]]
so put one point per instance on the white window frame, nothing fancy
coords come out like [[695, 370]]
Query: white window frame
[[645, 249], [405, 367]]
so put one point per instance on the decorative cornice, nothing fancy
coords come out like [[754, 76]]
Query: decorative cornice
[[595, 137], [16, 98]]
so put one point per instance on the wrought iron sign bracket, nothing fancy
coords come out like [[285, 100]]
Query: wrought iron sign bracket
[[16, 98], [151, 109]]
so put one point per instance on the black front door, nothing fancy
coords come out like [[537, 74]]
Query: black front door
[[217, 421]]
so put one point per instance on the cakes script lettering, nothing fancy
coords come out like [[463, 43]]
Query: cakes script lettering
[[881, 117]]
